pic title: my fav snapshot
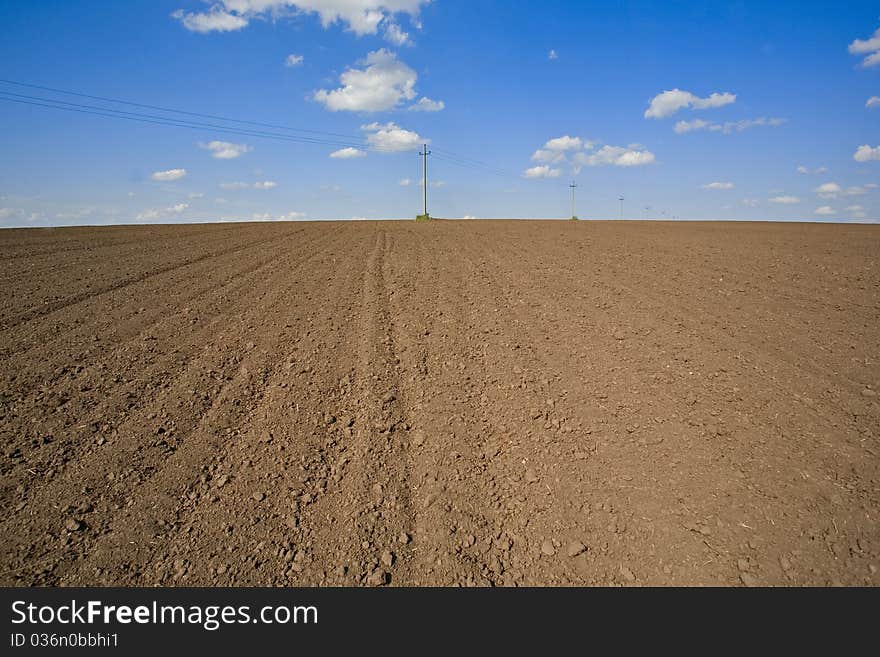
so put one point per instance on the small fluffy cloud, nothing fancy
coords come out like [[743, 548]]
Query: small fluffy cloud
[[825, 211], [216, 19], [565, 143], [727, 127], [266, 184], [359, 16], [555, 150], [425, 104], [669, 102], [856, 211], [719, 185], [865, 153], [873, 102], [394, 35], [552, 55], [293, 60], [290, 216], [828, 190], [806, 171], [224, 150], [406, 182], [543, 171], [169, 175], [869, 47], [391, 138], [545, 155], [348, 153], [785, 200], [234, 185], [382, 84], [631, 156], [158, 213]]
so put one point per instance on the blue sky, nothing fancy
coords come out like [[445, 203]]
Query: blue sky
[[720, 110]]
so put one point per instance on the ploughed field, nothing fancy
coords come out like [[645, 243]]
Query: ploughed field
[[473, 403]]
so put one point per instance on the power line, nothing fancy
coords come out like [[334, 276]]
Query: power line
[[177, 111], [305, 136], [171, 121]]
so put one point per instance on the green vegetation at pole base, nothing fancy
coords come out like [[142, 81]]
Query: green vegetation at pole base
[[574, 218], [423, 217]]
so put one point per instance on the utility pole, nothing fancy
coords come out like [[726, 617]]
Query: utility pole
[[620, 198], [573, 186], [424, 153]]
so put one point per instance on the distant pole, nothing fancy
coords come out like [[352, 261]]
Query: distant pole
[[425, 153], [620, 198], [573, 186]]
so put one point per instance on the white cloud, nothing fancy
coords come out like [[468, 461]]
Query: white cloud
[[872, 102], [359, 16], [224, 150], [158, 213], [391, 138], [855, 191], [169, 175], [552, 55], [381, 85], [719, 185], [19, 214], [265, 184], [825, 211], [195, 195], [689, 126], [394, 35], [564, 143], [293, 60], [234, 185], [82, 213], [631, 156], [545, 155], [857, 211], [865, 153], [785, 200], [290, 216], [216, 19], [406, 182], [806, 171], [425, 104], [828, 190], [669, 102], [751, 202], [542, 171], [728, 127], [869, 47], [554, 150], [347, 153]]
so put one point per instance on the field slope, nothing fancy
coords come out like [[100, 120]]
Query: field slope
[[481, 402]]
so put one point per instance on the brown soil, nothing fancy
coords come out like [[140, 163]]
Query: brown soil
[[484, 402]]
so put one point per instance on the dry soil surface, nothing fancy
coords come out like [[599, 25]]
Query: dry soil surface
[[473, 403]]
